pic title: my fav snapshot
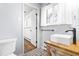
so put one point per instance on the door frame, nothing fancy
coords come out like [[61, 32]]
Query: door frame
[[37, 23]]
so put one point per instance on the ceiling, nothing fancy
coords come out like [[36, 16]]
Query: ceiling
[[27, 9]]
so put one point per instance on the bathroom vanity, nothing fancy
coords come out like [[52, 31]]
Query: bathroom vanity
[[58, 49]]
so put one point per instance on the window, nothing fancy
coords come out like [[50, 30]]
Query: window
[[49, 15], [52, 14], [56, 14]]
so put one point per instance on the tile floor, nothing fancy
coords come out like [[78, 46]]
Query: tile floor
[[36, 52]]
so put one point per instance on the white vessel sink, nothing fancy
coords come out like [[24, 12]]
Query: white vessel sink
[[62, 38]]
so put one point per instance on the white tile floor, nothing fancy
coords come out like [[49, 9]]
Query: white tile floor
[[36, 52]]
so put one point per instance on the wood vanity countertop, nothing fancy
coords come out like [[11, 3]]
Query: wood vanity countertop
[[72, 48]]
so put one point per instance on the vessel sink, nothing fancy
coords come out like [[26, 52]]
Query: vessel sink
[[62, 38]]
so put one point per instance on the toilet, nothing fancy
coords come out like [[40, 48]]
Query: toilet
[[7, 47]]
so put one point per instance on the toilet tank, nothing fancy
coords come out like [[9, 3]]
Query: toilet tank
[[7, 46]]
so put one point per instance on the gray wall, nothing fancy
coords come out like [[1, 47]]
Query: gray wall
[[11, 23]]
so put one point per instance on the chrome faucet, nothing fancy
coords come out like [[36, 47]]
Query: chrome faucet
[[74, 35]]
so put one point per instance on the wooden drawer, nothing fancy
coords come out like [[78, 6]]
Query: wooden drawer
[[60, 52], [61, 49]]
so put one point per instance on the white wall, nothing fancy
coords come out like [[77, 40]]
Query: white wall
[[61, 28], [58, 29], [11, 23]]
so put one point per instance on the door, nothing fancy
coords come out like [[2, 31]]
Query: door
[[33, 28], [30, 31]]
